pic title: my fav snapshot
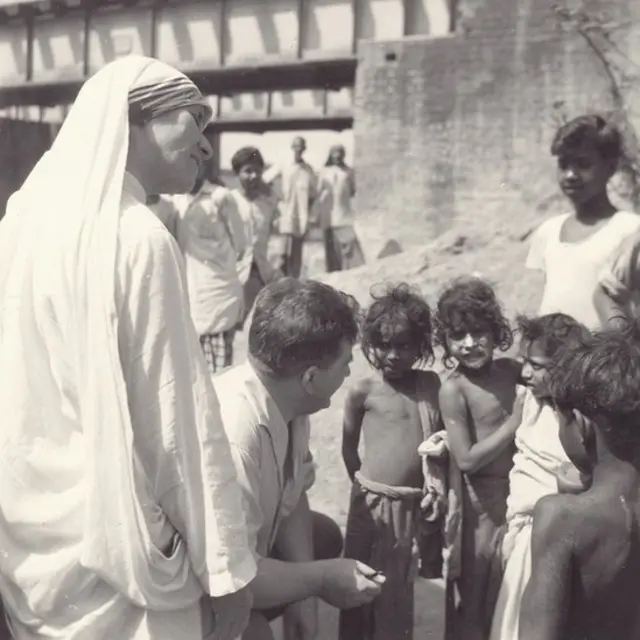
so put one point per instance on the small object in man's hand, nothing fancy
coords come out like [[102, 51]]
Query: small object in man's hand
[[378, 577]]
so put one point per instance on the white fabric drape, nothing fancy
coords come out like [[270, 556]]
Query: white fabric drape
[[60, 236]]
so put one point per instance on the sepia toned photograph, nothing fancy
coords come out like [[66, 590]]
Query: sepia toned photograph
[[319, 319]]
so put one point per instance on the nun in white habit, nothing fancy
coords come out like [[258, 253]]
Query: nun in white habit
[[120, 516]]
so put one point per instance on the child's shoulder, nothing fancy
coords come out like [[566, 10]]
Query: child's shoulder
[[362, 388], [453, 383]]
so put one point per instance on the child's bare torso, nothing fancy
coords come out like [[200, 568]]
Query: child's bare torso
[[606, 572], [489, 397], [392, 430]]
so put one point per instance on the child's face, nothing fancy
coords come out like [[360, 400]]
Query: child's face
[[396, 352], [535, 368], [583, 173], [472, 350], [250, 176]]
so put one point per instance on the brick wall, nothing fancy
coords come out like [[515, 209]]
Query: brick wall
[[452, 122]]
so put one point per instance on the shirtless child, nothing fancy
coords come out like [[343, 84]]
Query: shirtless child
[[481, 415], [395, 410], [586, 548]]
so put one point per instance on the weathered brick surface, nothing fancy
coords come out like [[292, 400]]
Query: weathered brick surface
[[451, 122]]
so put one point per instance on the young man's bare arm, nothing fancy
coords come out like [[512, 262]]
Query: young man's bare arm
[[619, 279], [352, 426], [547, 597], [470, 456], [610, 308]]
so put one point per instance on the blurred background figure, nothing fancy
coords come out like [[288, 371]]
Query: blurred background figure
[[298, 186], [336, 189]]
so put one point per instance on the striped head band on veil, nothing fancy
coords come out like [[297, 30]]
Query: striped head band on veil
[[152, 96]]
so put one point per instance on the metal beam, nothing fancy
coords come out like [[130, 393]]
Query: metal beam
[[453, 15], [85, 43], [13, 3], [286, 76], [29, 20], [407, 6], [153, 39], [223, 30], [301, 19], [356, 12], [249, 125]]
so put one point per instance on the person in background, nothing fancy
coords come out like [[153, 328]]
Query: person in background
[[301, 339], [298, 192], [258, 211], [481, 413], [395, 410], [571, 249], [336, 189], [121, 514], [211, 237]]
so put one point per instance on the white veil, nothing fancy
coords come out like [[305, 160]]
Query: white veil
[[64, 222]]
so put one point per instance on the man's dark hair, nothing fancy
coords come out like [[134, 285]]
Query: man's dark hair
[[591, 130], [298, 324], [600, 377], [551, 332]]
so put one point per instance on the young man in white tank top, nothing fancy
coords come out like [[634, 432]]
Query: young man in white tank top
[[571, 249]]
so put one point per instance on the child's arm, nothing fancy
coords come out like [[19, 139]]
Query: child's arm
[[352, 426], [618, 280], [429, 406], [469, 456]]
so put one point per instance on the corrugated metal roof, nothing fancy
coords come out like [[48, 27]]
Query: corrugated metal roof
[[15, 3]]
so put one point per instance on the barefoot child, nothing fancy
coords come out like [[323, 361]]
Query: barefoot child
[[586, 548], [393, 409], [541, 465], [571, 249], [477, 403]]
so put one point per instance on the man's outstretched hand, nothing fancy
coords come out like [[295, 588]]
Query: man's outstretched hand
[[232, 614], [348, 583]]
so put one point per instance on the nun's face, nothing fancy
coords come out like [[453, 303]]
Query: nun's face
[[178, 143]]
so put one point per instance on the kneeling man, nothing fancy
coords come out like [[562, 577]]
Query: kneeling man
[[300, 349]]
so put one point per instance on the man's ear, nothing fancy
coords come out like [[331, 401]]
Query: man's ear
[[308, 378]]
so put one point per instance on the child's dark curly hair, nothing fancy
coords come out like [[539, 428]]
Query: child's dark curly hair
[[600, 377], [470, 305], [397, 306], [552, 332]]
